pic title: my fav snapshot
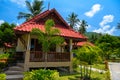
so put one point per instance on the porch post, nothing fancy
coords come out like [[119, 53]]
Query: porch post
[[71, 54], [70, 45], [27, 54]]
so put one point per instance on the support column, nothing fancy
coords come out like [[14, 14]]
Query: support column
[[27, 55], [70, 45], [71, 55], [58, 48]]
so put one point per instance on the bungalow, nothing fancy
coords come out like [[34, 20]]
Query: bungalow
[[59, 56]]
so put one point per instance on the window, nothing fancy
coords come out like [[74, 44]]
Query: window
[[35, 45]]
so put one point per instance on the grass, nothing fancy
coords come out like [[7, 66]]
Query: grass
[[69, 76], [98, 76], [94, 76], [99, 66]]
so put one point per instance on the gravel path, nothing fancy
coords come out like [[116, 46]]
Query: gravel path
[[115, 70]]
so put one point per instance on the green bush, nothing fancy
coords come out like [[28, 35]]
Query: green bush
[[4, 55], [2, 77], [75, 63], [41, 74], [88, 54]]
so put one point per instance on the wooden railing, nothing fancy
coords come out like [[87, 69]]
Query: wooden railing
[[37, 56]]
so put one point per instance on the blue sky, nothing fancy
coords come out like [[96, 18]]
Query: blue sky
[[102, 16]]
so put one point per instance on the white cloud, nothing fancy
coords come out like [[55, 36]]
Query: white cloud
[[106, 19], [111, 30], [105, 29], [17, 24], [95, 8], [19, 2], [104, 26], [1, 21], [89, 26]]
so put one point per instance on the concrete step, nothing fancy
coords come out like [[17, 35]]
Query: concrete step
[[15, 68], [14, 77], [20, 65], [13, 72]]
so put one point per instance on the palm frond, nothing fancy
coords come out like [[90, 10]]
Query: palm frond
[[54, 31], [57, 40], [37, 6], [72, 19], [118, 26], [24, 15], [29, 6]]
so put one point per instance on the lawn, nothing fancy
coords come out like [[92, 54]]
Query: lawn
[[99, 66], [94, 76]]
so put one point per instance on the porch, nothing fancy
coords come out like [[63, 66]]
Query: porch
[[36, 59], [59, 55], [38, 56]]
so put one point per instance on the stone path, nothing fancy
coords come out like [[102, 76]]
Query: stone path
[[114, 70]]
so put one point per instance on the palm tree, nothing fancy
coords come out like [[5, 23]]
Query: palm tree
[[35, 8], [72, 20], [83, 26], [118, 26], [47, 38]]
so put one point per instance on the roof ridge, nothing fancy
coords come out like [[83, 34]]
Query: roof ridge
[[36, 16]]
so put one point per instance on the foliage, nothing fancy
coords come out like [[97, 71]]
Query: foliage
[[4, 56], [41, 74], [89, 54], [93, 36], [73, 20], [7, 34], [2, 77], [83, 26], [75, 63], [48, 38], [35, 8], [99, 66], [94, 76], [109, 44], [100, 76]]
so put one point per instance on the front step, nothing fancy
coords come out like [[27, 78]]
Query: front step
[[15, 68], [14, 77], [13, 72], [20, 64]]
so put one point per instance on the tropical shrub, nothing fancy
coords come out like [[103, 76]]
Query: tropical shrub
[[88, 54], [41, 74], [4, 56], [110, 46], [2, 77]]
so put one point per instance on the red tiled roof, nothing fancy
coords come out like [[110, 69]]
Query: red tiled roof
[[66, 31], [84, 43]]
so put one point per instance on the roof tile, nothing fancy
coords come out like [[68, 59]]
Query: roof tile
[[65, 31]]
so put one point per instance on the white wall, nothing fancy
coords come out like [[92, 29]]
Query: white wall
[[20, 47]]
